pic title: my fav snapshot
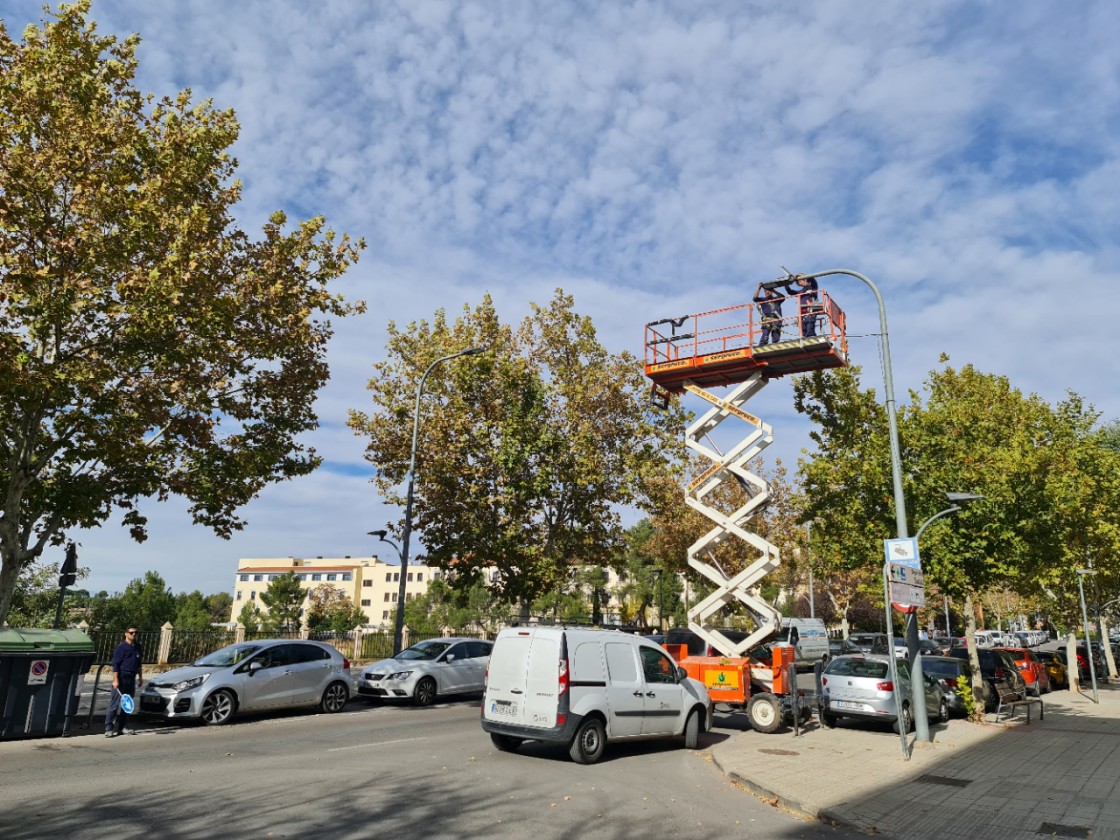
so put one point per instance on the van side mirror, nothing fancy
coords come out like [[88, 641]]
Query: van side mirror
[[682, 674]]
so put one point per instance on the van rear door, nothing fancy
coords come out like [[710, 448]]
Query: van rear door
[[507, 678]]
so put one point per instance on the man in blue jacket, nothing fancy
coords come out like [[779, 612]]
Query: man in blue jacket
[[128, 673], [770, 308], [806, 290]]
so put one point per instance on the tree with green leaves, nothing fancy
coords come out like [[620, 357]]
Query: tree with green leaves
[[526, 452], [251, 617], [283, 599], [220, 607], [330, 609], [192, 612], [148, 347], [146, 602]]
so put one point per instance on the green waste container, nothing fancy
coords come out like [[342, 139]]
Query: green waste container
[[41, 677]]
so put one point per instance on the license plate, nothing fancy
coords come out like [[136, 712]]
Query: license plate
[[505, 708], [846, 704]]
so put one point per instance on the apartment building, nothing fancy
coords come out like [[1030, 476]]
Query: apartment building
[[369, 582]]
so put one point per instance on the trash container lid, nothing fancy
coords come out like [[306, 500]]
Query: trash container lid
[[33, 639]]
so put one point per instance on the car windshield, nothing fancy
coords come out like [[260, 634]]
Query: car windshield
[[424, 650], [229, 655], [944, 667]]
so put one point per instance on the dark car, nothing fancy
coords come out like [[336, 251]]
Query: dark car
[[949, 671], [842, 647], [1000, 674], [863, 641]]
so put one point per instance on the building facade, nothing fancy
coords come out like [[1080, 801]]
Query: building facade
[[370, 583]]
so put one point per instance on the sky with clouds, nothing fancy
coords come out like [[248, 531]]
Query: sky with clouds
[[656, 158]]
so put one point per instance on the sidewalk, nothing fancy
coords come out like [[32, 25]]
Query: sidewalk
[[1057, 777]]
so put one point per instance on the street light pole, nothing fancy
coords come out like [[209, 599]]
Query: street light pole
[[660, 606], [398, 629], [918, 698], [809, 562], [1085, 624]]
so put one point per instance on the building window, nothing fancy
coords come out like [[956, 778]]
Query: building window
[[243, 578], [410, 577], [366, 602], [437, 575], [346, 576], [366, 583], [394, 597], [396, 577], [386, 597], [419, 576], [271, 578], [238, 598], [385, 615], [316, 576], [253, 595], [331, 576], [388, 577], [258, 577]]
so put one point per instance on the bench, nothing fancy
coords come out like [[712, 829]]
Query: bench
[[1011, 700]]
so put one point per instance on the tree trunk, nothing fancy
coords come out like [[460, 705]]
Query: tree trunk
[[978, 687], [1109, 658], [1073, 673]]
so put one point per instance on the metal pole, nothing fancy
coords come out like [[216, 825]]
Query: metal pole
[[398, 629], [1085, 625], [660, 602], [918, 699], [948, 632], [809, 560], [893, 660]]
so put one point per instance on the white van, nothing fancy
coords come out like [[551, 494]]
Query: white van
[[808, 636], [585, 688]]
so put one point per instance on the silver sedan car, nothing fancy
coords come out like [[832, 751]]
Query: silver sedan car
[[428, 670], [251, 676], [861, 687]]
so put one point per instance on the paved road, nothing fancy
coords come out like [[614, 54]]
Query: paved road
[[384, 771]]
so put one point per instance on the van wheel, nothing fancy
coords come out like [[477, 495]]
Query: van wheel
[[587, 746], [692, 730], [764, 715], [505, 743]]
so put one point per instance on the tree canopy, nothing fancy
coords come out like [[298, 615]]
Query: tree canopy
[[527, 451], [148, 347]]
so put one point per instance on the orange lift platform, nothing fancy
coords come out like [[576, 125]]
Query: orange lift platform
[[718, 348], [722, 347]]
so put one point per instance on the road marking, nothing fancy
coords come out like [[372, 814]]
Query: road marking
[[377, 744]]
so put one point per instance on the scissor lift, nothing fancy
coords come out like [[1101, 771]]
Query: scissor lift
[[721, 348]]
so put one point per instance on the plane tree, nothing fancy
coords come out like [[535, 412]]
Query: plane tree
[[527, 452], [148, 347]]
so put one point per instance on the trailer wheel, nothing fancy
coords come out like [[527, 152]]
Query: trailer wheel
[[764, 714]]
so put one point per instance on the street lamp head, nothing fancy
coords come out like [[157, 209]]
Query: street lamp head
[[962, 498], [1086, 571], [473, 351], [379, 534]]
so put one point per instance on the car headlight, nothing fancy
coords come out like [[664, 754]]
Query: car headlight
[[400, 675], [193, 682]]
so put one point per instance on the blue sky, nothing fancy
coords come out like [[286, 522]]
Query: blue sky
[[655, 158]]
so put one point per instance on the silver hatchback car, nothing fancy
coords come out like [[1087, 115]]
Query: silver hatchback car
[[251, 676], [861, 687], [427, 670]]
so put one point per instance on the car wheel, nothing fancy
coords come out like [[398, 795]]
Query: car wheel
[[828, 720], [334, 698], [425, 693], [587, 746], [505, 743], [943, 711], [907, 720], [763, 714], [692, 730], [218, 708]]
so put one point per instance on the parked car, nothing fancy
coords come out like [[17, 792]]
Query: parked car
[[1055, 668], [862, 640], [861, 687], [843, 647], [879, 645], [1034, 675], [949, 671], [250, 676], [1082, 663], [1000, 674], [427, 670]]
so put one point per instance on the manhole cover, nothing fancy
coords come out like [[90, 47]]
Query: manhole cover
[[945, 780], [779, 752], [1058, 830]]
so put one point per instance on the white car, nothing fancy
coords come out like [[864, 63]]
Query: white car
[[427, 670], [250, 676]]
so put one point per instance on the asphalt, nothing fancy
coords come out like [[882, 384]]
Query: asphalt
[[1055, 777]]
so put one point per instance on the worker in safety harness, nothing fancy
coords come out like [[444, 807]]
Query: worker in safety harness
[[806, 289], [770, 308]]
